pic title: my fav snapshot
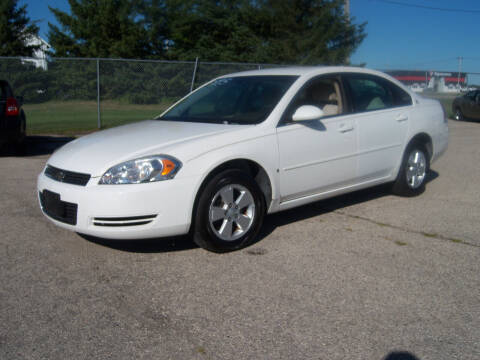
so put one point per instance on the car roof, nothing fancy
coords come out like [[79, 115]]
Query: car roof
[[310, 71], [305, 70]]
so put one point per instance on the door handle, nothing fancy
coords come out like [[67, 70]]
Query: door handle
[[343, 128], [402, 118]]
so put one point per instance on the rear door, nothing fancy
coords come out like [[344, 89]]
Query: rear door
[[382, 112]]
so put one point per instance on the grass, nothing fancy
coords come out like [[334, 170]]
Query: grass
[[76, 117], [430, 235]]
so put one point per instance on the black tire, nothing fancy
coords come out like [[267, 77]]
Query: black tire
[[20, 142], [458, 114], [404, 185], [207, 232]]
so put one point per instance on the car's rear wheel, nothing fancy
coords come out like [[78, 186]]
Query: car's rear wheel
[[458, 114], [413, 172], [229, 213]]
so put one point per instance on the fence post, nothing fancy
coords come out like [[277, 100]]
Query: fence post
[[99, 121], [194, 73]]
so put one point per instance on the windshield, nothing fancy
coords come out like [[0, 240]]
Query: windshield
[[234, 100]]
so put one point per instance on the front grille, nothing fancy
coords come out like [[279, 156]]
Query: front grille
[[124, 221], [66, 176], [57, 209]]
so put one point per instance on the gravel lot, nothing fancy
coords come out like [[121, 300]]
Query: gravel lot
[[363, 276]]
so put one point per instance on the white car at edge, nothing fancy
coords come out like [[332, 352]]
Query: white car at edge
[[242, 146]]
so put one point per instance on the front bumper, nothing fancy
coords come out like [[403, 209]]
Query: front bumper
[[134, 211]]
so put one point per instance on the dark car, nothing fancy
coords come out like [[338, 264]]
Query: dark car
[[467, 106], [12, 118]]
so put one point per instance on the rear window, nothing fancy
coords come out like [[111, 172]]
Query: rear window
[[3, 92]]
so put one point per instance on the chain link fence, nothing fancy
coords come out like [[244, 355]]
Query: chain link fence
[[72, 96]]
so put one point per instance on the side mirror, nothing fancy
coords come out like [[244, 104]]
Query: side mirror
[[307, 112], [20, 100]]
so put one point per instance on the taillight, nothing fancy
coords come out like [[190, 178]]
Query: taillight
[[11, 108]]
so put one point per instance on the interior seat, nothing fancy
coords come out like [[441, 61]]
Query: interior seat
[[331, 109]]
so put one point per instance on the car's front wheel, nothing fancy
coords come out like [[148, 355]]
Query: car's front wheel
[[229, 213], [413, 172]]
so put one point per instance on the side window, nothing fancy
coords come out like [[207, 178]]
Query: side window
[[470, 95], [323, 93], [370, 93]]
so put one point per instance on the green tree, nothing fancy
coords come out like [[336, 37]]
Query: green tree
[[99, 28], [264, 31], [306, 32], [152, 16], [211, 30], [271, 31], [16, 30]]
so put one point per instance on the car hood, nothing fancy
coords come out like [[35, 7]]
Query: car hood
[[95, 153]]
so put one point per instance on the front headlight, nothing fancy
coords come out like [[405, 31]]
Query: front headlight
[[144, 170]]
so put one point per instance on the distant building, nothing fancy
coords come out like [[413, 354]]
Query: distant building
[[39, 58], [435, 81]]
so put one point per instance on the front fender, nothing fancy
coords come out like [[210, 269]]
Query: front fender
[[262, 150]]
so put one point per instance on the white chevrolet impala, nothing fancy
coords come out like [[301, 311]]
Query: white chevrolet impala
[[242, 146]]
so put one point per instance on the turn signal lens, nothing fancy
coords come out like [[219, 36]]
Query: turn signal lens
[[168, 166]]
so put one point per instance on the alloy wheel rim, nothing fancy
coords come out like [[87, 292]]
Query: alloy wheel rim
[[416, 169], [231, 212]]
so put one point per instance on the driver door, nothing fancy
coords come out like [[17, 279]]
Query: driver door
[[317, 156]]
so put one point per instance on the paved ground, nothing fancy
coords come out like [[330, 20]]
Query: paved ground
[[364, 276]]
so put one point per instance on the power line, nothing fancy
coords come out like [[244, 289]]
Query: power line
[[436, 61], [428, 7]]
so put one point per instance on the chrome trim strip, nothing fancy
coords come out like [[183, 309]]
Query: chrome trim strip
[[340, 157], [297, 197]]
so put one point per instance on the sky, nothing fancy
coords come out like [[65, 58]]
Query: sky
[[398, 36]]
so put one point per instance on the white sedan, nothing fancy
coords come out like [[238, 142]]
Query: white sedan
[[242, 146]]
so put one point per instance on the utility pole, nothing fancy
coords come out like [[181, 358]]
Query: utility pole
[[347, 14], [459, 71]]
